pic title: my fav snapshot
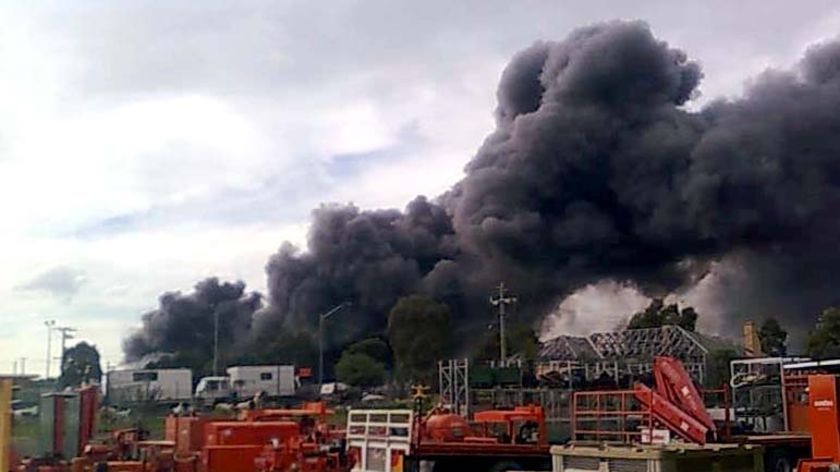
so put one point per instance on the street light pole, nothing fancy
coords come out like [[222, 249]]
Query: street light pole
[[49, 324], [321, 319], [216, 342]]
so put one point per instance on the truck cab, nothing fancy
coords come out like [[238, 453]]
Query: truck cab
[[213, 389]]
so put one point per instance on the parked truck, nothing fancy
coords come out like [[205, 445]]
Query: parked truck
[[243, 382], [141, 385]]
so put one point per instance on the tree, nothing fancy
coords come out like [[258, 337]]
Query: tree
[[359, 370], [688, 319], [521, 339], [717, 373], [375, 348], [657, 314], [824, 341], [80, 365], [418, 331], [773, 338]]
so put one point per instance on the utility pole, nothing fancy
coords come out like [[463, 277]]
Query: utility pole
[[49, 324], [216, 342], [502, 300], [321, 318], [66, 333], [23, 366]]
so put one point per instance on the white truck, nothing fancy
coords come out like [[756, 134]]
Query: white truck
[[142, 385], [243, 382]]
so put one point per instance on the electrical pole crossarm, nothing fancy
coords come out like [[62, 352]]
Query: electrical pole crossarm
[[502, 300]]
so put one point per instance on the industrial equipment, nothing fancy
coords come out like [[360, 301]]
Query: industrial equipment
[[824, 420], [494, 440]]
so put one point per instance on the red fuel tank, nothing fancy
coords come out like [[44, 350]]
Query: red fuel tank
[[446, 428]]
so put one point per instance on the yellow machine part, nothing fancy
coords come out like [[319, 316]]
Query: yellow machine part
[[5, 422]]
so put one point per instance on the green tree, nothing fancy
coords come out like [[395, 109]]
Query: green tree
[[375, 348], [418, 331], [824, 340], [359, 370], [657, 314], [521, 339], [80, 365], [717, 367], [773, 338], [688, 319]]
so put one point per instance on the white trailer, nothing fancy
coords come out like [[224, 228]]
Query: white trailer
[[274, 380], [140, 385]]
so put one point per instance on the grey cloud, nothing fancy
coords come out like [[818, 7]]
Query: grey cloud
[[246, 49], [61, 281]]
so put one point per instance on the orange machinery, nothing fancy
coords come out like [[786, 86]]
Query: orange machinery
[[496, 439], [256, 441], [259, 440], [824, 422]]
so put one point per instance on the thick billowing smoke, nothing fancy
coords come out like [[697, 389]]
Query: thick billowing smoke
[[597, 171], [184, 325], [369, 258]]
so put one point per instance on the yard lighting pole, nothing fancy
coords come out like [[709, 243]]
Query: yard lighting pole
[[321, 318], [49, 324], [66, 333]]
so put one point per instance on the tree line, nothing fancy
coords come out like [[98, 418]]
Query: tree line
[[418, 334]]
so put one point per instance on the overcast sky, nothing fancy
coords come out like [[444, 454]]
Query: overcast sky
[[146, 145]]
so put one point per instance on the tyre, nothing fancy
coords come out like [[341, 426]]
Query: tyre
[[778, 461]]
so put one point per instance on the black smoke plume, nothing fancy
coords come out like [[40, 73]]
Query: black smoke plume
[[182, 328], [600, 170]]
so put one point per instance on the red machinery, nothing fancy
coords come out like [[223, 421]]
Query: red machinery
[[258, 441], [674, 403], [494, 440]]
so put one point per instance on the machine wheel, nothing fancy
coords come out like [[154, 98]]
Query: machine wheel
[[504, 466], [778, 461]]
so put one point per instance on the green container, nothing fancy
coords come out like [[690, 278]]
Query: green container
[[507, 376], [481, 377]]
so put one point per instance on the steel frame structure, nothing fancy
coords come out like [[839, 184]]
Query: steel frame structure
[[453, 378], [619, 354], [626, 352]]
